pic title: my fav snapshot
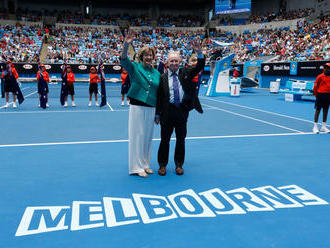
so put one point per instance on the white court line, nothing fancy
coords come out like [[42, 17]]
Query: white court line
[[26, 88], [59, 111], [156, 139], [260, 110], [31, 93], [107, 103], [24, 97], [255, 119], [110, 106]]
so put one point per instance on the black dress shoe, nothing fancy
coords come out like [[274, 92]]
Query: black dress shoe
[[199, 109], [162, 171], [179, 171], [198, 106]]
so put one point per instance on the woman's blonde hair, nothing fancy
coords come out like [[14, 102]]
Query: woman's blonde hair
[[145, 50]]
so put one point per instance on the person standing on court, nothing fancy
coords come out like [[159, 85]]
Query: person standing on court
[[8, 85], [70, 87], [93, 87], [176, 97], [125, 84], [322, 93], [45, 77], [143, 95]]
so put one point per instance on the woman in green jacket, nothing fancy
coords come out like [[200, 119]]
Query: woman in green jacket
[[143, 95]]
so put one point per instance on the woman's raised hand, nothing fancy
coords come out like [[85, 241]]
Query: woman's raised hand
[[130, 36]]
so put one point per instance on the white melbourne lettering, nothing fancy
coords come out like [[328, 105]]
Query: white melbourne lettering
[[114, 212]]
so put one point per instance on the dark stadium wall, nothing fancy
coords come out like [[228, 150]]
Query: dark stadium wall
[[262, 6], [323, 7], [300, 4], [134, 8], [112, 11], [51, 6]]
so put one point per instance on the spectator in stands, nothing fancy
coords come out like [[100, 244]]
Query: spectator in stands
[[322, 93], [20, 42], [70, 86], [143, 95], [310, 42], [93, 87]]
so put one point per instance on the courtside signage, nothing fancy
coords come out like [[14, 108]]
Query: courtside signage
[[142, 208]]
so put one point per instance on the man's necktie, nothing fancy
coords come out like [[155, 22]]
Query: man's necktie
[[176, 90]]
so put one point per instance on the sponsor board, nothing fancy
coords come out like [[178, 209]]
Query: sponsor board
[[300, 69], [82, 67], [275, 69], [23, 68], [27, 66]]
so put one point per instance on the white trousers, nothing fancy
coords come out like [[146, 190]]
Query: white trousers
[[140, 131]]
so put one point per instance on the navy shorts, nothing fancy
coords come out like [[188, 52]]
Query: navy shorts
[[124, 89], [93, 88], [322, 101], [70, 89], [8, 86]]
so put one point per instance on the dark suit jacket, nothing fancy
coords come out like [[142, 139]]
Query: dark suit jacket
[[189, 98]]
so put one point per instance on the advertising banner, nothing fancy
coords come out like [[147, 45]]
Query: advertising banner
[[31, 68]]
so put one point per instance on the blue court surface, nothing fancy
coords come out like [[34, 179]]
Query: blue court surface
[[255, 176]]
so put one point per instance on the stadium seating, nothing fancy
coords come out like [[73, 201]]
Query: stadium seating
[[291, 40], [21, 43]]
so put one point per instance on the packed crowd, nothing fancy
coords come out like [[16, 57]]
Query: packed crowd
[[282, 15], [104, 20], [21, 43], [30, 15], [311, 41], [84, 45], [180, 21], [81, 45], [268, 17], [164, 40]]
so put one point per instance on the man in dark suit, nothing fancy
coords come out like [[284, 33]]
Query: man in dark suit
[[176, 97]]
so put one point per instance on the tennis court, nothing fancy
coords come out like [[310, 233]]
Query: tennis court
[[255, 176]]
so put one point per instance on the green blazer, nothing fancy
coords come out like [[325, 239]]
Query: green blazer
[[144, 82]]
